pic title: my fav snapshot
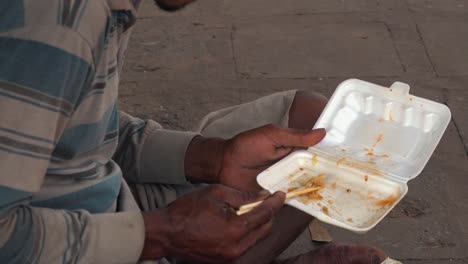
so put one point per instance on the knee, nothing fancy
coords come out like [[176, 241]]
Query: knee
[[306, 109]]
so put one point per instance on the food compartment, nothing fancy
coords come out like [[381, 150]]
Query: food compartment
[[347, 196]]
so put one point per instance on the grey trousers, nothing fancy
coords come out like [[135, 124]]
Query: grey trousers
[[225, 123]]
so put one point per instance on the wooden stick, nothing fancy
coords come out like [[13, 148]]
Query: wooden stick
[[248, 207]]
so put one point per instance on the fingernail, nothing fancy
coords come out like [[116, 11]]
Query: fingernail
[[320, 129], [281, 194]]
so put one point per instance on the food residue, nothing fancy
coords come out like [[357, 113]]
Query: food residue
[[340, 161], [385, 156], [366, 178], [314, 196], [371, 162], [381, 120], [343, 150], [316, 181], [390, 200], [301, 169], [348, 190], [330, 201], [314, 160], [350, 220], [334, 185], [379, 138], [325, 210], [370, 152]]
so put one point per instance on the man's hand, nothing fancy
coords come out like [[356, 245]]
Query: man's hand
[[203, 227], [251, 152], [236, 162]]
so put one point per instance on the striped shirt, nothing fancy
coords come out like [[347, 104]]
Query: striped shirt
[[66, 151]]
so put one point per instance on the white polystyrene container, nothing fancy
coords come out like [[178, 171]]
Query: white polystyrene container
[[377, 140]]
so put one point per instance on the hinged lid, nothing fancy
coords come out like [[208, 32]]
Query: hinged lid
[[381, 129]]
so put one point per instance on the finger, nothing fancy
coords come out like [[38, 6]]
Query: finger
[[285, 137], [235, 198], [264, 212]]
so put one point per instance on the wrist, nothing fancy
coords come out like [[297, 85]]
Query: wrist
[[204, 159], [157, 233]]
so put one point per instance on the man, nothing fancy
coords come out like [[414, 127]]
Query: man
[[75, 171]]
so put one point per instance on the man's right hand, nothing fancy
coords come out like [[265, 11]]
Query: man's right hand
[[202, 226]]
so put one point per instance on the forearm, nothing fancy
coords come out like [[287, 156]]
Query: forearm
[[39, 235], [203, 159]]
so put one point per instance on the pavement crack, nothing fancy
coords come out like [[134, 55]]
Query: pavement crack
[[233, 51], [403, 66], [426, 51], [457, 128]]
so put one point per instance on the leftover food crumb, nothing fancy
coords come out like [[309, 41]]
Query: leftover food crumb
[[340, 161], [348, 190], [325, 210], [350, 220], [366, 178], [330, 201], [314, 160], [390, 200]]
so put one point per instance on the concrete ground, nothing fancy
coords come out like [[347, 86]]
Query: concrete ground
[[217, 53]]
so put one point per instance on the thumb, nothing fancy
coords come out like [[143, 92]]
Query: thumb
[[286, 137]]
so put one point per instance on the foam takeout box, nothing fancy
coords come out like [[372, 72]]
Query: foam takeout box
[[378, 139]]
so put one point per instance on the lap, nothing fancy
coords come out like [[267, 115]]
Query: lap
[[224, 123]]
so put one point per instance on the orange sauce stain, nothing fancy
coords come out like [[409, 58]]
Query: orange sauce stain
[[366, 178], [314, 160], [325, 210], [330, 201], [371, 162], [314, 196], [340, 161], [334, 185], [350, 220], [390, 200]]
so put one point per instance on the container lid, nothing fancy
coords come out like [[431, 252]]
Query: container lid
[[383, 130]]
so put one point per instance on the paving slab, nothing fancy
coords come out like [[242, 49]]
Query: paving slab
[[453, 6], [177, 105], [293, 48], [177, 49], [242, 9], [446, 44]]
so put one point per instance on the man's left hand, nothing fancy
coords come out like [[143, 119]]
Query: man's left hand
[[251, 152]]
